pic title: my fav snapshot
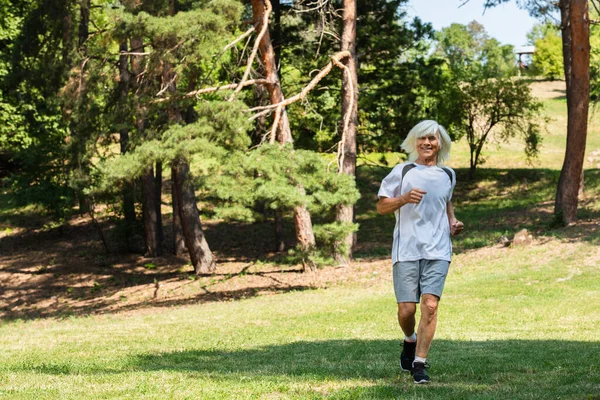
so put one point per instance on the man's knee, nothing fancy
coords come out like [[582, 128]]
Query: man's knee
[[429, 305], [406, 310]]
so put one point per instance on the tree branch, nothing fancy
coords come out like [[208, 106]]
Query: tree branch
[[239, 38], [263, 30], [217, 88], [347, 116], [268, 108]]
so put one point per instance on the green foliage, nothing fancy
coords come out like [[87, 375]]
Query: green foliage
[[331, 235], [502, 107], [398, 84], [34, 54], [251, 186], [485, 99], [594, 58], [267, 178], [548, 56], [541, 30], [469, 52], [221, 127], [61, 98]]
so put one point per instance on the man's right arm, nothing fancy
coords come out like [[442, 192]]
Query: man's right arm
[[387, 205]]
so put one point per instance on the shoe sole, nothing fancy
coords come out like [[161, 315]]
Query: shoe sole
[[421, 382], [405, 370]]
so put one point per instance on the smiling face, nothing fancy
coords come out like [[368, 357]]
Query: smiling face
[[428, 147]]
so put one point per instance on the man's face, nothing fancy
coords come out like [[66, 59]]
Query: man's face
[[428, 146]]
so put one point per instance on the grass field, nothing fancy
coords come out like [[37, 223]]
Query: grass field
[[515, 322]]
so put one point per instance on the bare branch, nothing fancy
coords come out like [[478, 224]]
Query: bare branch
[[263, 30], [227, 87], [317, 5], [463, 3], [597, 11], [278, 112], [239, 38], [129, 53], [347, 116], [217, 88], [268, 108], [167, 85]]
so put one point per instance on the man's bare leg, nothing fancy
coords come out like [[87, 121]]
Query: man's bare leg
[[406, 317], [427, 324]]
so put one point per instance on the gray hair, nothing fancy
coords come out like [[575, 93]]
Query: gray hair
[[426, 128]]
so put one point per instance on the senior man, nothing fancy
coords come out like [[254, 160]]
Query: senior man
[[419, 193]]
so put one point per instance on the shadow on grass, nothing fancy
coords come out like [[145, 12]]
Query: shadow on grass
[[63, 271], [495, 369], [489, 369]]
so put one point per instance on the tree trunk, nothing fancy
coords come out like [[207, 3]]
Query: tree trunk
[[136, 45], [472, 162], [268, 60], [128, 188], [576, 51], [150, 204], [345, 212], [178, 239], [277, 31], [158, 202], [279, 232], [150, 216], [78, 136], [304, 233], [84, 23], [302, 219], [200, 254], [179, 242]]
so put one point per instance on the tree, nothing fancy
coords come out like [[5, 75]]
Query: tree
[[302, 218], [574, 23], [36, 51], [400, 84], [501, 106], [268, 177], [576, 53], [469, 51], [349, 122], [169, 46], [548, 55], [485, 100]]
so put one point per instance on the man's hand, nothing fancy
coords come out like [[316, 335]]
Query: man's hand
[[387, 205], [456, 227], [414, 196]]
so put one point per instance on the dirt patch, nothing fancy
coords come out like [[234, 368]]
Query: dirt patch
[[548, 89], [59, 273]]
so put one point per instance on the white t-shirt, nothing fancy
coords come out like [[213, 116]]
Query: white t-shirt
[[422, 230]]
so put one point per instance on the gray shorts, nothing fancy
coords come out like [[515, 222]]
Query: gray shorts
[[415, 278]]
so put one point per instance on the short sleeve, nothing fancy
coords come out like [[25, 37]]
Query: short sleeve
[[390, 186], [452, 184]]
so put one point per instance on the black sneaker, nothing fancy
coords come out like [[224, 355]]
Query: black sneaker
[[419, 372], [408, 355]]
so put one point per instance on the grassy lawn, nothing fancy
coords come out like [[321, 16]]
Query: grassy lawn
[[515, 323]]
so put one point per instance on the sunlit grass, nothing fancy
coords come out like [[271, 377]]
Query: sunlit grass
[[508, 329]]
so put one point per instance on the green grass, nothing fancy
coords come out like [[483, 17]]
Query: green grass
[[514, 323]]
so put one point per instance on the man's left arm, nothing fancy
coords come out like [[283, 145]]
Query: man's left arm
[[456, 226]]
